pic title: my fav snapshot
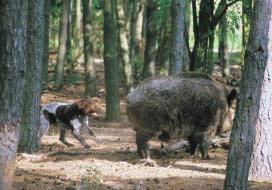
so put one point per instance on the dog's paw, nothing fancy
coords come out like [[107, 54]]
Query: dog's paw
[[99, 141], [69, 144]]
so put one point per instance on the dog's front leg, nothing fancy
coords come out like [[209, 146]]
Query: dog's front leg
[[97, 140], [76, 124], [80, 138], [86, 125], [62, 137]]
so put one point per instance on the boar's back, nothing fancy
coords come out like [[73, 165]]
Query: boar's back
[[178, 102]]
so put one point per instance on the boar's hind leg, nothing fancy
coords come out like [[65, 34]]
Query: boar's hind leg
[[203, 146], [201, 140], [193, 144], [142, 145]]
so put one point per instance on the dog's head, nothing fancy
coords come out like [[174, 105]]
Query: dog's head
[[89, 106]]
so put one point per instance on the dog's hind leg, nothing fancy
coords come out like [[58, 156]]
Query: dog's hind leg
[[62, 137]]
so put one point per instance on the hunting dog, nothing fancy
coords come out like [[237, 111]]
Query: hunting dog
[[72, 116]]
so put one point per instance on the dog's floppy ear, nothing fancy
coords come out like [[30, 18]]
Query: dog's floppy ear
[[81, 103], [95, 100], [231, 96]]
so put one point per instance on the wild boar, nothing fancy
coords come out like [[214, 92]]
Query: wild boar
[[191, 106]]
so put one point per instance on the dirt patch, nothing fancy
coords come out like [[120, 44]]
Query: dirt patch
[[116, 165]]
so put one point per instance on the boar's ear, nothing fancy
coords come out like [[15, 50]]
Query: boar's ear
[[231, 96]]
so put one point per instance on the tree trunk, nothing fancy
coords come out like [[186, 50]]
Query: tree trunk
[[69, 52], [163, 52], [177, 53], [13, 19], [77, 29], [133, 31], [29, 128], [223, 46], [127, 69], [132, 44], [90, 77], [202, 54], [205, 13], [62, 43], [110, 62], [139, 28], [251, 136], [209, 62], [151, 40], [188, 12], [127, 9], [246, 18], [192, 65], [47, 11]]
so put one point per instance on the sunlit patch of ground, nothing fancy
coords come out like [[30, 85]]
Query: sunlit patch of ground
[[115, 165]]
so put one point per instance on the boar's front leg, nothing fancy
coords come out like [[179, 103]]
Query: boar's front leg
[[142, 138]]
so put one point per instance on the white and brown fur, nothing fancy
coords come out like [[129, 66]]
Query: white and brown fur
[[73, 116]]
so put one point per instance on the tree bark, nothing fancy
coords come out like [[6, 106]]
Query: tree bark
[[202, 54], [139, 28], [133, 31], [29, 128], [187, 24], [246, 18], [150, 41], [77, 29], [47, 11], [13, 19], [177, 53], [110, 62], [62, 43], [205, 13], [209, 64], [163, 52], [127, 68], [251, 137], [69, 51], [90, 77], [223, 46]]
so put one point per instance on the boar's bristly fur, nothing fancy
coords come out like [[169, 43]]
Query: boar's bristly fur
[[191, 106]]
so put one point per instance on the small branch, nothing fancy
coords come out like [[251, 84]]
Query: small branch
[[218, 141], [221, 11], [70, 153]]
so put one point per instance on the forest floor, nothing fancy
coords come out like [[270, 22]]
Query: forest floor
[[114, 164]]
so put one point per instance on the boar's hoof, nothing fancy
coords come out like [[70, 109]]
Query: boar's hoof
[[148, 162], [87, 146], [206, 157], [142, 145], [143, 150]]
